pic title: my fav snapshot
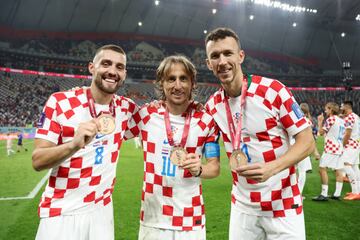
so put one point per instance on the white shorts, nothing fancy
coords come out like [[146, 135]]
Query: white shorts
[[332, 161], [250, 227], [350, 156], [94, 225], [304, 165], [150, 233]]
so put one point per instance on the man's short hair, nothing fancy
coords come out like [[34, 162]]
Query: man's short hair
[[112, 47], [348, 103], [163, 71], [305, 109], [334, 107], [222, 33]]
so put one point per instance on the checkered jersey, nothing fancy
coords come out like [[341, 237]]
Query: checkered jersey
[[271, 115], [86, 179], [334, 128], [352, 122], [171, 196]]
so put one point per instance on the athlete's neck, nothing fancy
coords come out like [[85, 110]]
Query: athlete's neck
[[99, 96], [233, 89], [177, 109]]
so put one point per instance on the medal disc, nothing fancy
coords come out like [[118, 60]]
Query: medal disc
[[107, 123], [238, 158], [178, 155]]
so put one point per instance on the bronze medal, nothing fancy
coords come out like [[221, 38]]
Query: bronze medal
[[238, 158], [107, 123], [178, 155]]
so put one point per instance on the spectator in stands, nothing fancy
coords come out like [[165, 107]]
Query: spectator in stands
[[78, 137], [334, 130], [256, 116]]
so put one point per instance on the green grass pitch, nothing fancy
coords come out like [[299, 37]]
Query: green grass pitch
[[19, 220]]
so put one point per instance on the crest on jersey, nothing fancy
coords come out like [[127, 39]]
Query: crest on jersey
[[174, 129], [236, 116]]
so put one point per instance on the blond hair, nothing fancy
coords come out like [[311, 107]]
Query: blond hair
[[334, 107], [164, 70]]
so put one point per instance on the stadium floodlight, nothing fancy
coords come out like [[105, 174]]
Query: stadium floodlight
[[139, 24], [157, 2], [205, 31], [343, 34], [251, 17], [281, 5], [214, 11], [357, 17], [294, 24]]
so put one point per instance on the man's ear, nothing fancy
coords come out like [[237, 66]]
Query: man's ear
[[208, 64], [91, 67], [242, 56]]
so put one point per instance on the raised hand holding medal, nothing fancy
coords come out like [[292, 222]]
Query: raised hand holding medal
[[106, 119], [178, 152], [237, 157]]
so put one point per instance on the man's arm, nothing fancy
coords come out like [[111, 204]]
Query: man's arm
[[320, 124], [47, 154], [347, 136], [212, 167], [303, 147], [209, 170]]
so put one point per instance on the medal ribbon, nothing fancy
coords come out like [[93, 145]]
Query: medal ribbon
[[186, 127], [235, 134], [92, 109]]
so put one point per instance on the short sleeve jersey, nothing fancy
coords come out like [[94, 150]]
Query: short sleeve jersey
[[334, 128], [352, 122], [86, 179], [271, 117], [171, 196]]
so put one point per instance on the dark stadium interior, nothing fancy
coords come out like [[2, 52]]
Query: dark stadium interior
[[61, 36]]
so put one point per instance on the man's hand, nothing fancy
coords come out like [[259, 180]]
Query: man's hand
[[259, 172], [85, 133], [320, 118], [192, 163]]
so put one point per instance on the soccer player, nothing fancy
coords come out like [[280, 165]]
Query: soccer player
[[20, 142], [305, 165], [256, 116], [352, 149], [9, 149], [78, 137], [334, 129], [173, 138]]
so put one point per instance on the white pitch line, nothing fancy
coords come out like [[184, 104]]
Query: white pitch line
[[33, 193]]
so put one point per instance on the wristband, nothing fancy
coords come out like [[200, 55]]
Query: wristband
[[200, 172]]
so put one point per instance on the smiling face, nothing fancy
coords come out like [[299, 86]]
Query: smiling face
[[177, 85], [108, 70], [224, 59]]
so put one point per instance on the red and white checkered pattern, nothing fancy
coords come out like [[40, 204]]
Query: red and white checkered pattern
[[78, 184], [334, 128], [171, 196], [352, 122], [269, 120]]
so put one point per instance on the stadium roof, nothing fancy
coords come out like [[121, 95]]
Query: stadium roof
[[316, 35]]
